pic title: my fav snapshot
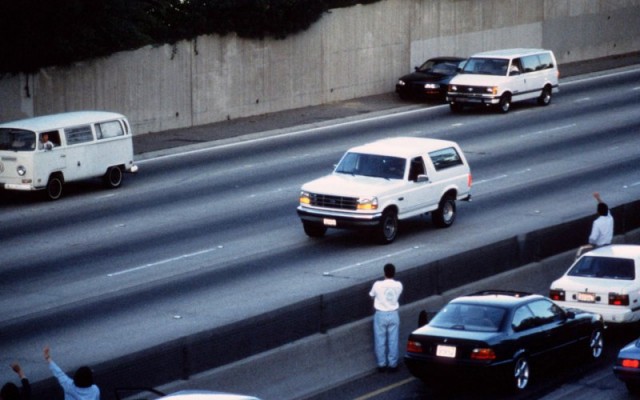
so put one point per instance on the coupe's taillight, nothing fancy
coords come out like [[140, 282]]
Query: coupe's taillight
[[628, 363], [483, 354], [414, 347], [616, 299], [557, 294]]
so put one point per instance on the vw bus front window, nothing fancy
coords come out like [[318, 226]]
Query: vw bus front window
[[17, 140]]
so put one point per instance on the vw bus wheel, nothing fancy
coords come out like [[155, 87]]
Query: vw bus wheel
[[54, 187], [113, 177]]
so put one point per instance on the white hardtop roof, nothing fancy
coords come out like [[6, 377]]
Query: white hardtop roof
[[617, 250], [509, 53], [63, 120], [405, 147]]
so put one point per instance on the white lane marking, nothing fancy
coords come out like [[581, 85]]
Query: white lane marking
[[633, 184], [360, 264], [582, 100], [558, 128], [161, 262], [490, 179]]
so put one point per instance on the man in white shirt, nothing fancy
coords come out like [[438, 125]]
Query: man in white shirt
[[386, 321], [601, 229]]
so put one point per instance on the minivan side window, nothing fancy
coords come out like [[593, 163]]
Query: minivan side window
[[79, 134], [109, 129], [545, 61], [530, 63], [445, 158]]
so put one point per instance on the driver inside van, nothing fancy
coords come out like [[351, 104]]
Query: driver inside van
[[45, 143]]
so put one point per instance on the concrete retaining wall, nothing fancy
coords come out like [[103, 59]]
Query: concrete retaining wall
[[352, 52], [436, 282]]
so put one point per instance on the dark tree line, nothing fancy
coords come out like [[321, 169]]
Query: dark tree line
[[36, 33]]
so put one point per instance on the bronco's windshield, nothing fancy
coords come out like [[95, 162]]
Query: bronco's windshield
[[372, 165], [17, 140], [486, 66]]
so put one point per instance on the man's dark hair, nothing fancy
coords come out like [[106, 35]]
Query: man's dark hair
[[83, 377], [389, 270], [603, 209], [10, 391]]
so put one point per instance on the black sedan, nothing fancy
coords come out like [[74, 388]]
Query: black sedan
[[499, 334], [430, 80], [627, 366]]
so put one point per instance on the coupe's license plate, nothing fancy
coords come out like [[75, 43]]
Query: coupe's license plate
[[587, 297], [446, 351], [329, 222]]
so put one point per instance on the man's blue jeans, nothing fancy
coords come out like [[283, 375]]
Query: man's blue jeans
[[386, 325]]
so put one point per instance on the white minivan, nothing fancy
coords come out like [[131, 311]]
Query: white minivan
[[43, 153], [501, 77]]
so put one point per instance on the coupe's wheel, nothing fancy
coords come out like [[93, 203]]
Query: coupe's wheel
[[545, 97], [388, 228], [54, 187], [596, 344], [113, 177], [505, 103], [444, 216], [314, 229], [521, 372]]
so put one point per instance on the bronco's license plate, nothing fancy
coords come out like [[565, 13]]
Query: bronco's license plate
[[587, 297], [446, 351], [329, 222]]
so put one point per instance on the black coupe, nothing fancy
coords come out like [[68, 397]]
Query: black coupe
[[430, 80]]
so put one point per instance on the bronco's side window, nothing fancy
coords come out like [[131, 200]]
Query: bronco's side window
[[445, 158], [417, 168]]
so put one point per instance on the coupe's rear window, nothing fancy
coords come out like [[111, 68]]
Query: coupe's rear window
[[469, 317], [605, 268]]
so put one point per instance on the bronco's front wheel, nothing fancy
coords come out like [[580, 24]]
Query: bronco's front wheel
[[387, 230]]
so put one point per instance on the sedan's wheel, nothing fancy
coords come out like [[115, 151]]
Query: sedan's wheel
[[54, 187], [113, 177], [388, 227], [313, 229], [545, 97], [596, 344], [444, 216], [505, 103], [521, 373]]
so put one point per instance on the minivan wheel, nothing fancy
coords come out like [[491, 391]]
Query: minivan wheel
[[444, 216], [113, 177], [387, 230], [54, 187], [545, 96], [505, 103]]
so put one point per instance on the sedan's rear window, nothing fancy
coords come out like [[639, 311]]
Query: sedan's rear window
[[469, 317], [605, 268]]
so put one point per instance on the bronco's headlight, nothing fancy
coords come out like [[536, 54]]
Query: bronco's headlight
[[367, 203], [21, 170], [304, 197]]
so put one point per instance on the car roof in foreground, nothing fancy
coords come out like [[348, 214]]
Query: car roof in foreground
[[500, 298], [617, 251], [402, 146], [206, 395]]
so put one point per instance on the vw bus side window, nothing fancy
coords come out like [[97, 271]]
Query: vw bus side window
[[109, 129], [17, 140], [79, 134]]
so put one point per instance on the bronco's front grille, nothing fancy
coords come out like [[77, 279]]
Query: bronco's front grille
[[343, 203]]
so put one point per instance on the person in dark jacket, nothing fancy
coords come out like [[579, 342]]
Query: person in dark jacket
[[10, 390]]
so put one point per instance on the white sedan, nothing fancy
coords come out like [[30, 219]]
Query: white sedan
[[604, 281]]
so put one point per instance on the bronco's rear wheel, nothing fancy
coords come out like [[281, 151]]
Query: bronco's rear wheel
[[444, 216]]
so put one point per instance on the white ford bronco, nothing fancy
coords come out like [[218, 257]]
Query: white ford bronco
[[375, 185]]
